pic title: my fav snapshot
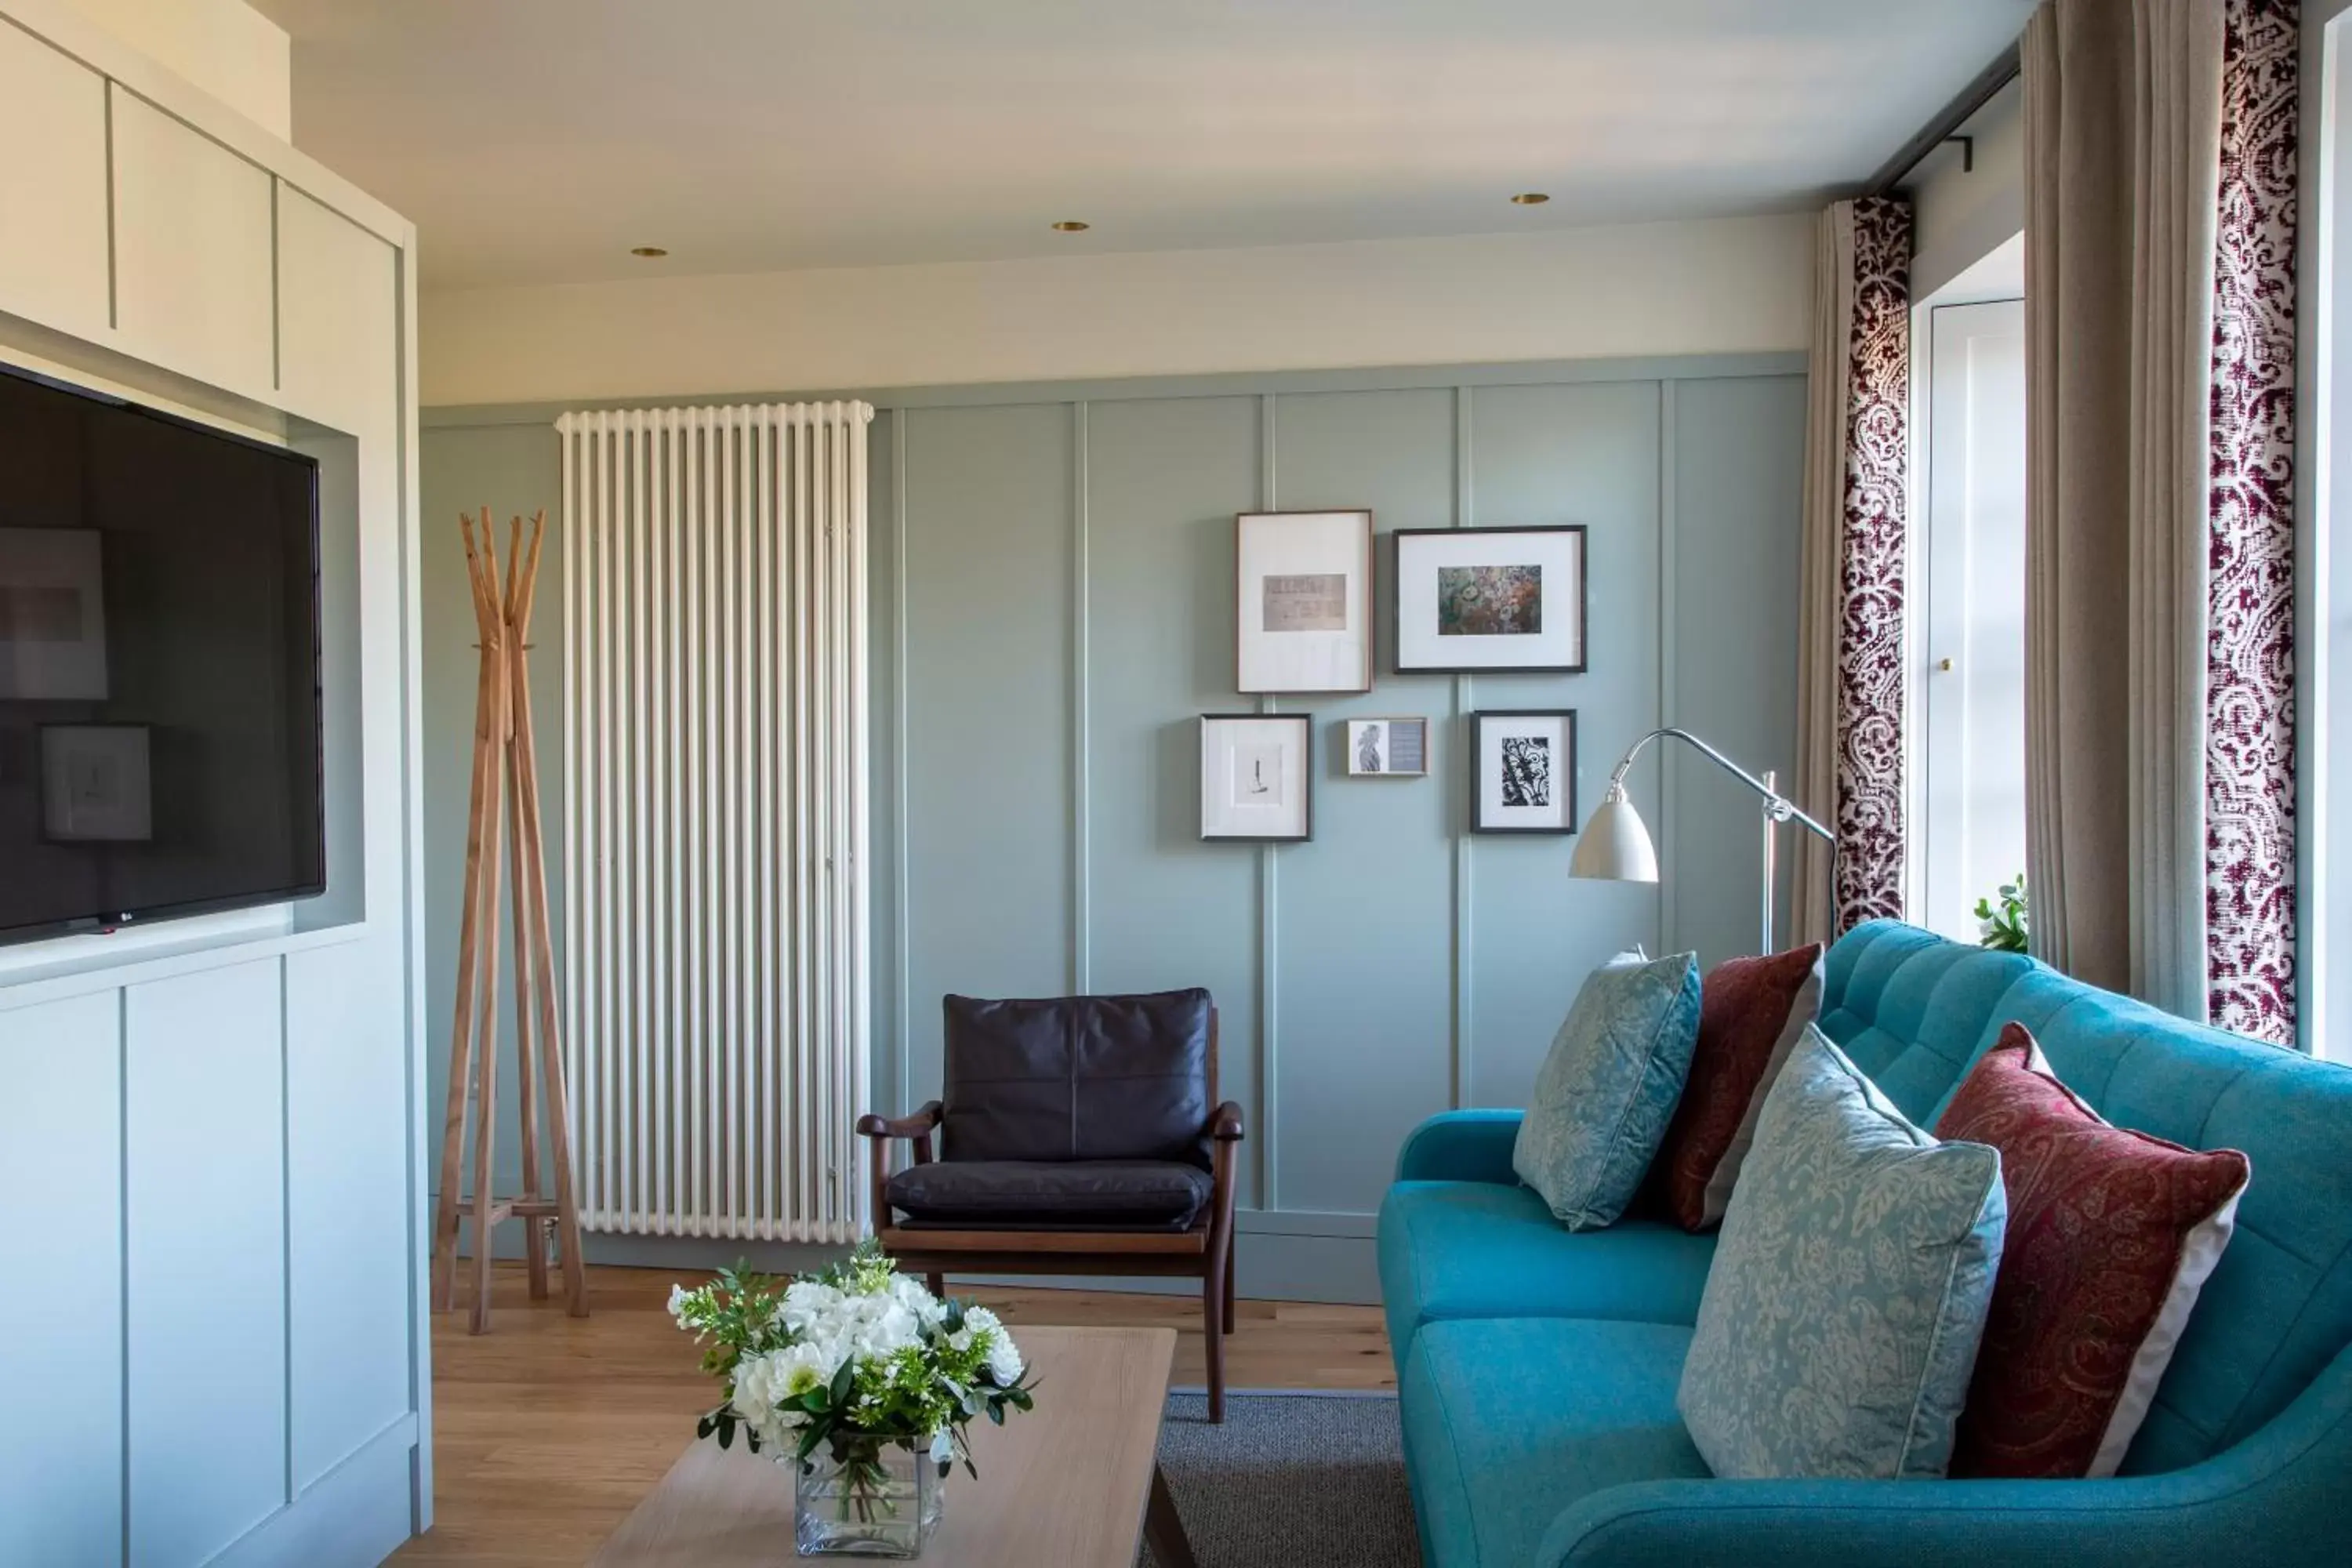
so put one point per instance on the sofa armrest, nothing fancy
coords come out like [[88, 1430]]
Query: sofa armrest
[[2278, 1497], [1461, 1146]]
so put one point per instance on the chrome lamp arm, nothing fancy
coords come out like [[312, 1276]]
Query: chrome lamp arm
[[1782, 808], [1615, 844]]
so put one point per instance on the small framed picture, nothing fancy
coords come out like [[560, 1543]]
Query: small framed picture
[[1256, 782], [1304, 605], [1388, 748], [94, 783], [1523, 770], [1490, 600]]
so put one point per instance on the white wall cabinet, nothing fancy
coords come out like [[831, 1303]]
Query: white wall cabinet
[[194, 281], [53, 242], [212, 1341]]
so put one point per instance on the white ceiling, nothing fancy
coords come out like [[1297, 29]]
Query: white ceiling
[[537, 141]]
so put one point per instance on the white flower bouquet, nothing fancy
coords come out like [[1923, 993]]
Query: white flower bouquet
[[853, 1360]]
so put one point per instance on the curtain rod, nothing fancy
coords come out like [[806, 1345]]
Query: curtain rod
[[1955, 114]]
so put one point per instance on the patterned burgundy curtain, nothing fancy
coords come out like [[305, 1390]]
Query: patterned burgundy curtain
[[1850, 671], [2250, 842]]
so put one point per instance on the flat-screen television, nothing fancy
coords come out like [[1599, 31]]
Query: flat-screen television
[[159, 720]]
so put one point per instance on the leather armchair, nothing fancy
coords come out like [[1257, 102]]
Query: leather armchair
[[1078, 1135]]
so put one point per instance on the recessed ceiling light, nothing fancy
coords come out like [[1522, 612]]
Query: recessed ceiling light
[[1529, 199], [648, 251], [1071, 226]]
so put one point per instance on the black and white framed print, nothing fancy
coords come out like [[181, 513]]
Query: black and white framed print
[[1523, 770], [1490, 600], [1388, 748], [94, 783], [1256, 778], [1304, 606]]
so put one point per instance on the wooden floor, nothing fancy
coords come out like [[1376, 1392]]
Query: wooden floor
[[548, 1429]]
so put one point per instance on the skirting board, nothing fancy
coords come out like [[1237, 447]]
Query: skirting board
[[1272, 1262], [357, 1513]]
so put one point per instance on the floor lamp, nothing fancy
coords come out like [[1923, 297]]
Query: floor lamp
[[1615, 847]]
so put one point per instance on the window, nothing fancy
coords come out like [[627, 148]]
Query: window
[[1970, 644]]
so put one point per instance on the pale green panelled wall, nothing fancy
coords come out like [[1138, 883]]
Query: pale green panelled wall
[[1054, 606]]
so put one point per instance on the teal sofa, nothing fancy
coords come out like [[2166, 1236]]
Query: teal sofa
[[1536, 1369]]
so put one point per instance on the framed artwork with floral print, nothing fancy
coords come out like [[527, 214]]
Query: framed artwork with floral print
[[1490, 600]]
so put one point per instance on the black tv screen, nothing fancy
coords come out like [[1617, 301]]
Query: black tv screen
[[160, 719]]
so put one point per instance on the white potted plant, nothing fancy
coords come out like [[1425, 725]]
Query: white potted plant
[[864, 1380]]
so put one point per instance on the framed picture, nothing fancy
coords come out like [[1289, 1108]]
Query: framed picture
[[1303, 618], [1256, 777], [1388, 748], [1523, 770], [94, 783], [1490, 600], [52, 615]]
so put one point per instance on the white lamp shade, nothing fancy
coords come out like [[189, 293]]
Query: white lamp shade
[[1614, 846]]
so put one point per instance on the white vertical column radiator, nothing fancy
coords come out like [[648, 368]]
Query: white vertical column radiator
[[715, 817]]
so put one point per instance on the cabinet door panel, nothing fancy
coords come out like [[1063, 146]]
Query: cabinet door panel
[[52, 186], [194, 285], [338, 325]]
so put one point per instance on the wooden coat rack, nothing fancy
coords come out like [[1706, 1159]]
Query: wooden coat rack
[[505, 795]]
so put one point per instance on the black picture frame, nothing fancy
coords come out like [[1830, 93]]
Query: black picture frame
[[1304, 722], [1563, 777], [1582, 602]]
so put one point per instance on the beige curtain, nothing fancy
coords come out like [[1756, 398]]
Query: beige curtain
[[1820, 565], [2122, 146]]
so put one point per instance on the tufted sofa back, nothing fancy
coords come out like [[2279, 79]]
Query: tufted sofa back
[[1914, 1011]]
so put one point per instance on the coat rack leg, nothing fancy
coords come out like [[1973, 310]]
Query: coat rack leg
[[542, 949], [443, 1284], [534, 1232], [485, 1093]]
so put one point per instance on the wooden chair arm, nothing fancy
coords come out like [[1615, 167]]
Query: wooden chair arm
[[1225, 1126], [922, 1124], [884, 1129]]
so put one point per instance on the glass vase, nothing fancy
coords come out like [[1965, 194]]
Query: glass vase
[[867, 1496]]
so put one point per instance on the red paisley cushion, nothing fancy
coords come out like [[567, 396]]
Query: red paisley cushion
[[2112, 1235], [1751, 1012]]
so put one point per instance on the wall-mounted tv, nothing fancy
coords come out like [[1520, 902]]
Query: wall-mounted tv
[[160, 710]]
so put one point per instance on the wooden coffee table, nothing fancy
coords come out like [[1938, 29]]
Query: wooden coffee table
[[1074, 1484]]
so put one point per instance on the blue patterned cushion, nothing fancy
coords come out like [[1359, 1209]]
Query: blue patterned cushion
[[1608, 1090], [1849, 1290]]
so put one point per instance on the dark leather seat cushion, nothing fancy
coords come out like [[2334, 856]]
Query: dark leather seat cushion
[[1052, 1193], [1078, 1077]]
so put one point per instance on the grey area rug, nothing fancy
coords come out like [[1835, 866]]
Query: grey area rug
[[1289, 1480]]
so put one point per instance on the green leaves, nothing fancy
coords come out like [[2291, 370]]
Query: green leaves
[[2003, 924]]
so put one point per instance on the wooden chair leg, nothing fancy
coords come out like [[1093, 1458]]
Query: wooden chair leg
[[1213, 1304], [937, 1284], [1229, 1272]]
